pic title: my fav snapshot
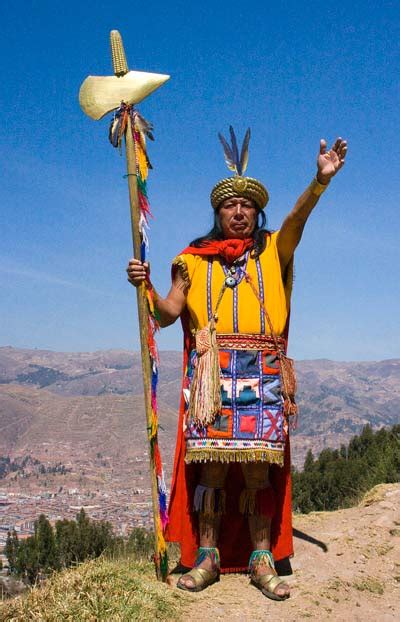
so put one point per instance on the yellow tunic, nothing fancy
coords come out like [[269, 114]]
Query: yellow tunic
[[251, 425], [276, 292]]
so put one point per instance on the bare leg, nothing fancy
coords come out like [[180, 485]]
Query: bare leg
[[256, 478], [213, 476]]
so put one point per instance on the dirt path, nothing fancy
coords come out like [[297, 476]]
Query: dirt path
[[351, 573]]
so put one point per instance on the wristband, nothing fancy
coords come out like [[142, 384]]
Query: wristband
[[317, 188]]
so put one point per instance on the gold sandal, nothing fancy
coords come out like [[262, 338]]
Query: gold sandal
[[201, 577], [267, 583]]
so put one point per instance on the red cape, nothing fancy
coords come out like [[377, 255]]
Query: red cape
[[234, 542]]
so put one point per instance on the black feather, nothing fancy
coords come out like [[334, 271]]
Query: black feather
[[244, 154], [235, 150]]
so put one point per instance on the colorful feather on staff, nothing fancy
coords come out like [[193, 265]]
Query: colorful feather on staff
[[140, 129]]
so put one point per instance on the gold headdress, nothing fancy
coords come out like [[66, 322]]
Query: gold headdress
[[238, 186]]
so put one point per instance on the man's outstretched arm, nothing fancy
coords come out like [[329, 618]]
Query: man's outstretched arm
[[169, 308], [328, 163]]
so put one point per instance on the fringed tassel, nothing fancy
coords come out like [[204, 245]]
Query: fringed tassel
[[205, 394], [258, 502], [209, 501], [291, 411], [290, 407], [234, 455]]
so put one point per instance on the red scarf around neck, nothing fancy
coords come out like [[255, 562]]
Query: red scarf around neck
[[229, 250]]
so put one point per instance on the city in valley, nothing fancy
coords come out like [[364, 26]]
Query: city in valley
[[107, 488]]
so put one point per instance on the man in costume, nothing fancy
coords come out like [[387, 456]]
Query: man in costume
[[230, 506]]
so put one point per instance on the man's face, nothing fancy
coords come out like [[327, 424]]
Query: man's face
[[238, 217]]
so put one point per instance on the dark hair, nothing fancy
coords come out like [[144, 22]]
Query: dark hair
[[259, 235]]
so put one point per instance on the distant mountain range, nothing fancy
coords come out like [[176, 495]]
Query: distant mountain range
[[93, 400]]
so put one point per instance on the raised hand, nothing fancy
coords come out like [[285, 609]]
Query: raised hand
[[330, 162]]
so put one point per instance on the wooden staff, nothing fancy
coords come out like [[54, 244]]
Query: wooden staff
[[98, 96]]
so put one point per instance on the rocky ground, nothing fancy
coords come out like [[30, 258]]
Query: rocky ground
[[346, 567]]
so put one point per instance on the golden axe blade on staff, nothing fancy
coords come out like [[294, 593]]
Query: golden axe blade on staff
[[98, 96]]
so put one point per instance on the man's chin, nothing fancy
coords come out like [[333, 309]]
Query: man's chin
[[243, 231], [237, 235]]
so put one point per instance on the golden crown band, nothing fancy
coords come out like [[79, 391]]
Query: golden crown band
[[237, 186]]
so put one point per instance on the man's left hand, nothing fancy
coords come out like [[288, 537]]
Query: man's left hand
[[330, 162]]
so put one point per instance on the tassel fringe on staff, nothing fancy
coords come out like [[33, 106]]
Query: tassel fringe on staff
[[140, 130]]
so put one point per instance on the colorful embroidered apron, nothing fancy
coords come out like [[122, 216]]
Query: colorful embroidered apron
[[251, 426]]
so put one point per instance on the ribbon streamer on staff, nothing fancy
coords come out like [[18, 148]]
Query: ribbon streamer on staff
[[141, 129]]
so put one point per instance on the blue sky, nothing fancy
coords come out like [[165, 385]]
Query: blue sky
[[293, 71]]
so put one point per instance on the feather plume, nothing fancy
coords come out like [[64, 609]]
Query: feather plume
[[235, 150], [113, 132], [230, 163], [244, 154], [141, 161], [231, 152], [144, 126]]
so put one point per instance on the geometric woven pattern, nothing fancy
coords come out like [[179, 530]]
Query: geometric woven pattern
[[251, 419]]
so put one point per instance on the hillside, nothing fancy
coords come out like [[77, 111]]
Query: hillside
[[93, 400], [346, 567]]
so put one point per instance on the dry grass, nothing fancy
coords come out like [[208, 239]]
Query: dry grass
[[384, 549], [99, 590], [376, 494], [369, 584]]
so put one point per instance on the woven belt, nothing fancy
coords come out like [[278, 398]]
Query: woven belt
[[236, 341]]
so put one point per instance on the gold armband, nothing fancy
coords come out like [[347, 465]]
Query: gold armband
[[317, 188]]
